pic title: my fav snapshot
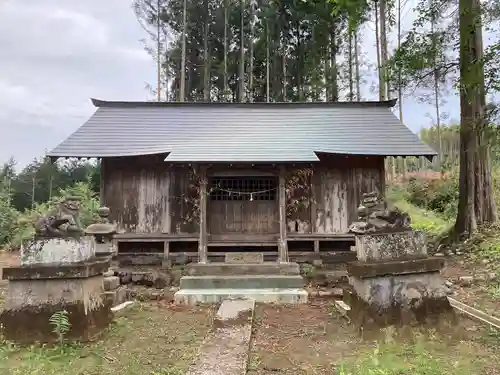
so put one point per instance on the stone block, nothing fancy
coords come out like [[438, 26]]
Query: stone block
[[57, 271], [56, 250], [111, 283], [116, 296], [244, 258], [391, 246], [143, 278], [402, 299], [381, 268], [109, 273], [267, 268], [242, 282], [29, 304], [211, 296]]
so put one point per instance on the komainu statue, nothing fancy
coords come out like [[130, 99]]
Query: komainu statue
[[374, 216], [61, 221]]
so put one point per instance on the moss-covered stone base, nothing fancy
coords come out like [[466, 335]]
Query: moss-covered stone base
[[31, 324], [430, 311]]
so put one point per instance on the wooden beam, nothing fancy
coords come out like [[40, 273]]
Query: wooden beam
[[202, 245], [282, 246]]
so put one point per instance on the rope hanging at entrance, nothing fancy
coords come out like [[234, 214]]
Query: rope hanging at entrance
[[235, 192]]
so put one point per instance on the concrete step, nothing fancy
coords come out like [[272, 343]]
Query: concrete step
[[267, 268], [278, 296], [242, 282]]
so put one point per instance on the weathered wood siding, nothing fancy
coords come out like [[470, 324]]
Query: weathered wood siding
[[145, 195], [336, 189], [259, 217]]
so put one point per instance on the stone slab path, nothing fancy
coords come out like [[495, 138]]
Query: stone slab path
[[225, 350]]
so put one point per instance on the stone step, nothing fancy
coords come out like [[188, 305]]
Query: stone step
[[242, 282], [267, 268], [212, 296]]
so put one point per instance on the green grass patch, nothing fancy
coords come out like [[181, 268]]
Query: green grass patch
[[420, 355], [146, 340], [425, 220]]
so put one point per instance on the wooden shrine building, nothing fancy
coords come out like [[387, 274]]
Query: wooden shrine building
[[197, 180]]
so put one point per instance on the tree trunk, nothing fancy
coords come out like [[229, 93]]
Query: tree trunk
[[400, 91], [182, 85], [476, 204], [356, 65], [300, 91], [241, 78], [381, 86], [206, 54], [334, 88], [268, 79], [226, 87], [250, 65], [350, 70], [158, 50], [384, 57]]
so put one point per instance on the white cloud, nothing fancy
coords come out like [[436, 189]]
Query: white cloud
[[54, 56]]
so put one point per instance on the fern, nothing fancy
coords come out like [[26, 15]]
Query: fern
[[60, 321]]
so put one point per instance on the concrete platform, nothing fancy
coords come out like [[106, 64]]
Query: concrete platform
[[262, 295], [242, 282], [227, 269]]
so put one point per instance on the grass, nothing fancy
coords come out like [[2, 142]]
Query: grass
[[422, 219], [147, 340]]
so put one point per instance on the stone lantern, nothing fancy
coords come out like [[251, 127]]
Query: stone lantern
[[102, 233]]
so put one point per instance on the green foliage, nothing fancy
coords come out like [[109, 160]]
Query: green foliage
[[440, 195], [19, 227], [8, 214], [60, 321]]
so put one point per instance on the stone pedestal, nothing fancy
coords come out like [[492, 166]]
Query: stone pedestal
[[46, 283], [395, 282], [56, 250]]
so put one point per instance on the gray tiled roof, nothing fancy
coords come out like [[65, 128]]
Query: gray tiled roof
[[242, 132]]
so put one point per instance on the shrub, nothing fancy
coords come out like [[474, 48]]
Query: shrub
[[21, 225]]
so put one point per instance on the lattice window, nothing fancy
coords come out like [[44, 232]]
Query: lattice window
[[243, 188]]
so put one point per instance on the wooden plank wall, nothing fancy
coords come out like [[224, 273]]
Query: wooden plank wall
[[145, 195], [336, 189], [259, 217]]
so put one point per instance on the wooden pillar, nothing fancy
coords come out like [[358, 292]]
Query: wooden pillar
[[101, 183], [202, 244], [283, 246], [312, 200]]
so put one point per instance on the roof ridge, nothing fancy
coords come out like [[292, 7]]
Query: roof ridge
[[131, 104]]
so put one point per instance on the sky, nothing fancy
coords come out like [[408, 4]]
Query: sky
[[55, 55]]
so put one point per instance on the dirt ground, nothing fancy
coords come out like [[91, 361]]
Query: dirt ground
[[314, 339], [479, 293]]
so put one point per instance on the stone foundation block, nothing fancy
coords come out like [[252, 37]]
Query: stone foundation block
[[29, 304], [117, 296], [391, 246], [111, 283], [402, 299], [36, 292]]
